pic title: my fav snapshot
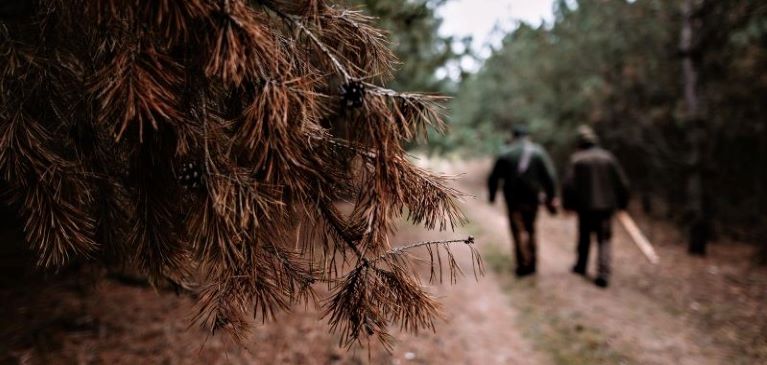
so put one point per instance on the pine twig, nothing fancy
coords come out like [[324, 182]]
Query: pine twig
[[404, 249]]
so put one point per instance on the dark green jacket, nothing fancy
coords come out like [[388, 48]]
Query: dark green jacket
[[595, 182], [525, 170]]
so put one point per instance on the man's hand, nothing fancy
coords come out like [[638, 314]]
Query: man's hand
[[552, 205]]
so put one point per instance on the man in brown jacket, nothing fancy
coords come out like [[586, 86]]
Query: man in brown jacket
[[595, 187]]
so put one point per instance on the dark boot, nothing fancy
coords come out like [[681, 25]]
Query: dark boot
[[601, 282], [579, 270], [526, 271]]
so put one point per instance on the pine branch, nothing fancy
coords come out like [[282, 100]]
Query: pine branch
[[202, 135]]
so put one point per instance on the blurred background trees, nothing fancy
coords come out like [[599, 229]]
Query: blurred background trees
[[619, 66], [414, 29], [625, 68]]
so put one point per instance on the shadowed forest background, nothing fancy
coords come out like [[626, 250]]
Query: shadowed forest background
[[617, 66], [676, 90]]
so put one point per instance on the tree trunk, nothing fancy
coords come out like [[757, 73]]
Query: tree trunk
[[697, 207]]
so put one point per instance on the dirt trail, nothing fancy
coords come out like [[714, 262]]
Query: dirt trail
[[570, 319], [634, 326], [479, 323]]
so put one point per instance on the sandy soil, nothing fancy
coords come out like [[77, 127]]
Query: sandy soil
[[683, 311]]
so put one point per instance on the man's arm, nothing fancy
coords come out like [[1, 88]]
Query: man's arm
[[495, 177], [548, 177], [569, 191]]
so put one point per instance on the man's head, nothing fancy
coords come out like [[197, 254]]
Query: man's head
[[520, 131], [586, 137]]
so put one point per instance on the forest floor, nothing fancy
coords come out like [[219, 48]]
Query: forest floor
[[686, 310]]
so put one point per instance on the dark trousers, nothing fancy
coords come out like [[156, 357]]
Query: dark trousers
[[522, 222], [599, 224]]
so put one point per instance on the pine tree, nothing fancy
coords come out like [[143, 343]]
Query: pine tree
[[206, 143]]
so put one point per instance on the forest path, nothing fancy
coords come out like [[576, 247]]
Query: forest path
[[567, 318]]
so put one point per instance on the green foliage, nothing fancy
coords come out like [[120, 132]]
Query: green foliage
[[574, 72], [616, 65], [414, 27]]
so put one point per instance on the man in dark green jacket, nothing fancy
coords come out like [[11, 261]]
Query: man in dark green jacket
[[595, 187], [525, 171]]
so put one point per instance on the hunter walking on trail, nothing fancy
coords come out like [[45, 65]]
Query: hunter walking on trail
[[525, 170], [595, 187]]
